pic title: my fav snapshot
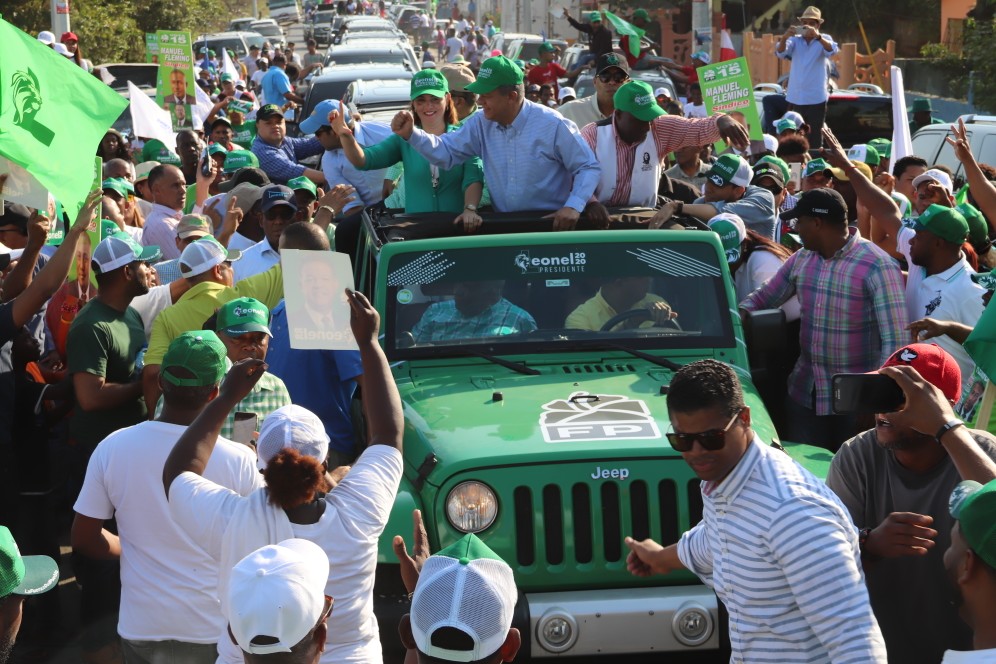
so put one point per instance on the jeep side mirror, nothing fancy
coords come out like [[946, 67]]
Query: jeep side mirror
[[765, 334]]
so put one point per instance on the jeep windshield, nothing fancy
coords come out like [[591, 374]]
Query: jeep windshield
[[522, 298]]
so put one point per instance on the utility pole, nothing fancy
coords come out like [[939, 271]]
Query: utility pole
[[60, 17], [701, 20], [255, 9]]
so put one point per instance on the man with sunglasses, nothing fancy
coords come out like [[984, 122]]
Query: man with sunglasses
[[775, 543], [611, 72], [279, 207]]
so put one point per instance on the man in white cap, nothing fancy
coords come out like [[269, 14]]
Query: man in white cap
[[276, 607], [46, 37], [20, 577], [191, 227], [810, 52], [444, 625]]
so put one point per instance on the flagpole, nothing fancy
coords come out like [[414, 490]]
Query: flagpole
[[60, 16]]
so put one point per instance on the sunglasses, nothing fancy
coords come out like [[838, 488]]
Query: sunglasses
[[281, 212], [618, 77], [712, 440]]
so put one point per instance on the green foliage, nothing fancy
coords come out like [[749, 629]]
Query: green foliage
[[953, 66], [114, 30], [978, 36]]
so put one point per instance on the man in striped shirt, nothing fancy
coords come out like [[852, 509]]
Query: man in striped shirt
[[853, 313], [774, 542]]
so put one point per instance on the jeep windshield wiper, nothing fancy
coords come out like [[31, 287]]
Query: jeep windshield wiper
[[517, 367], [659, 361]]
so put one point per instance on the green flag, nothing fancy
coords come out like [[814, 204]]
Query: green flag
[[962, 196], [634, 33], [53, 115], [981, 343]]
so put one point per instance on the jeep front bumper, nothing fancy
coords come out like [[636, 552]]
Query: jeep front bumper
[[632, 620]]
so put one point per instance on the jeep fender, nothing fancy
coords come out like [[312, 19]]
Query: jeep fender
[[399, 523]]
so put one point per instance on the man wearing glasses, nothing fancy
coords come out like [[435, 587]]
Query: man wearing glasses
[[279, 208], [775, 543], [611, 71]]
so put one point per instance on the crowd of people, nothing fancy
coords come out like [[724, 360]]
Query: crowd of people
[[132, 366]]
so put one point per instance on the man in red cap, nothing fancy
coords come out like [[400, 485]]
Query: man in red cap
[[895, 481]]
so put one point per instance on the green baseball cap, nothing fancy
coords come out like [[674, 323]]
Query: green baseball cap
[[24, 575], [217, 148], [637, 99], [732, 232], [595, 17], [156, 150], [978, 228], [494, 73], [429, 82], [974, 506], [780, 163], [243, 315], [883, 146], [227, 77], [120, 186], [533, 62], [547, 47], [641, 13], [199, 352], [946, 223], [521, 64], [785, 124], [303, 184], [920, 106], [815, 167], [730, 169], [238, 159], [864, 153]]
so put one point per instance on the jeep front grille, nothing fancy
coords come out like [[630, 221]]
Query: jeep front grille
[[585, 523]]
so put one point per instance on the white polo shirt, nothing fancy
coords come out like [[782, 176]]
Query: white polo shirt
[[257, 259]]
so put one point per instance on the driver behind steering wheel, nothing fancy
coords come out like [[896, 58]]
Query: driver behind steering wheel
[[618, 295]]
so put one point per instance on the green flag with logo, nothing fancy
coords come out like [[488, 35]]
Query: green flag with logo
[[622, 27], [52, 115], [981, 343]]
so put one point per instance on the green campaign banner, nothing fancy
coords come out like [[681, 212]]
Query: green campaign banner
[[53, 115], [151, 47], [175, 90], [726, 88]]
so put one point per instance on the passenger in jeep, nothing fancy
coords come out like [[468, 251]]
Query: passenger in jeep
[[477, 310], [617, 296]]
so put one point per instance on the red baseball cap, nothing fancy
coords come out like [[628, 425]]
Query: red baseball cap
[[69, 36], [933, 363]]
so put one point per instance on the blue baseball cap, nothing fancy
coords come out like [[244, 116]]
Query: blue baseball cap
[[320, 116], [277, 194]]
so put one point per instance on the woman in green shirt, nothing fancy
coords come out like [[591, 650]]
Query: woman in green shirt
[[427, 187]]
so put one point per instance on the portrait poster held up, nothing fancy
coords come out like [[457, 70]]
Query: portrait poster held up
[[727, 88], [314, 292], [175, 91], [151, 48]]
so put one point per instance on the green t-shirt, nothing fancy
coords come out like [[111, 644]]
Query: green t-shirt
[[420, 194], [245, 133], [188, 207], [104, 342]]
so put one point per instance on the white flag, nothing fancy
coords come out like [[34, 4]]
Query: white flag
[[228, 67], [202, 109], [902, 145], [148, 120]]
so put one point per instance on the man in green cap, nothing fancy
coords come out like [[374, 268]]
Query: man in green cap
[[20, 577], [599, 37], [816, 174], [548, 70], [883, 146], [169, 606], [305, 196], [643, 134], [643, 59], [238, 159], [242, 325], [156, 150], [534, 159], [222, 133], [923, 115]]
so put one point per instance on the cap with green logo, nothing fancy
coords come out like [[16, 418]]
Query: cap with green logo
[[238, 159], [24, 575], [864, 153], [243, 315], [883, 146], [547, 47], [194, 359], [974, 506], [303, 184], [429, 82], [785, 124], [156, 150], [227, 77], [494, 73], [267, 111], [780, 163], [641, 13], [217, 148], [637, 99], [120, 186], [730, 169], [595, 17], [815, 167], [978, 228], [946, 223], [732, 232]]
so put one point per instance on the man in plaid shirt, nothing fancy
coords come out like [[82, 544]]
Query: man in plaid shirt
[[853, 313], [477, 310]]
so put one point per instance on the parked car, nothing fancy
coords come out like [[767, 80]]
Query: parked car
[[376, 51], [379, 99], [271, 31], [235, 41], [503, 40], [929, 143], [320, 27], [548, 443], [333, 83], [527, 48], [239, 24]]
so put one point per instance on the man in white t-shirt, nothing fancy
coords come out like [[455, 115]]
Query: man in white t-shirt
[[346, 522], [169, 605], [454, 46]]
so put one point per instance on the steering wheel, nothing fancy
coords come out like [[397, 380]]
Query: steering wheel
[[633, 313]]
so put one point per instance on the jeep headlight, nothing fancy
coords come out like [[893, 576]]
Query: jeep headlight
[[471, 507]]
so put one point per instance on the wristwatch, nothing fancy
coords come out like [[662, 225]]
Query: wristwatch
[[948, 426], [471, 207], [329, 208]]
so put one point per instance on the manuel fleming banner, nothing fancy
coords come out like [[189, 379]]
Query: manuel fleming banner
[[726, 88], [175, 91]]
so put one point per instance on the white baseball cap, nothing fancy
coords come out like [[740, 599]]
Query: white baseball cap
[[770, 143], [934, 175], [201, 255], [795, 117], [46, 37], [120, 249], [277, 592], [61, 49], [467, 587], [662, 92], [294, 427], [566, 91]]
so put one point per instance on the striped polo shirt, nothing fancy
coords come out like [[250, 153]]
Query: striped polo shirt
[[780, 551]]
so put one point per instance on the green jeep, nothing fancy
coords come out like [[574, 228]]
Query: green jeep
[[547, 441]]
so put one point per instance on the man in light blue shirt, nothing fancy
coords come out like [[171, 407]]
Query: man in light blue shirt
[[276, 84], [810, 52], [534, 159]]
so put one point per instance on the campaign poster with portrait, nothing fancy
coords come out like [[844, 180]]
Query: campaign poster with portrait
[[175, 89], [727, 88], [151, 48], [315, 284]]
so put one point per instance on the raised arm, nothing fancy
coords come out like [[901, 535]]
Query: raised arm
[[20, 276], [382, 403], [352, 149], [983, 190]]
